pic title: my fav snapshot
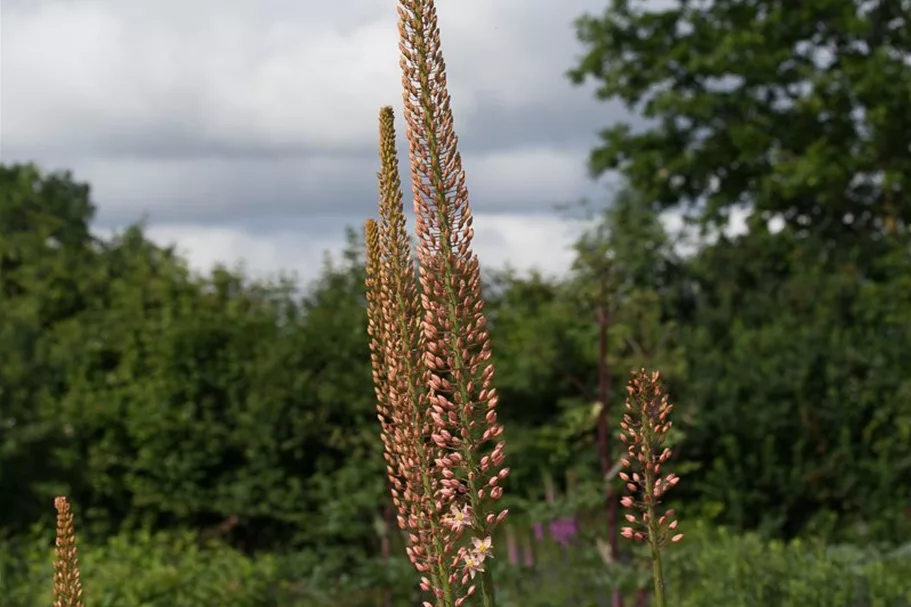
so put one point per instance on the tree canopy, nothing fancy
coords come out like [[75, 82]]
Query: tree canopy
[[795, 110]]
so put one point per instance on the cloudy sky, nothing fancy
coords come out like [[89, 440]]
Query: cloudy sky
[[245, 130]]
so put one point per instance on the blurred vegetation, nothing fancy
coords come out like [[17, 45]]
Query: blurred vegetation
[[710, 568]]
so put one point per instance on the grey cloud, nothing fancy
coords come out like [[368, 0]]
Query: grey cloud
[[521, 241], [203, 90], [238, 190], [243, 112]]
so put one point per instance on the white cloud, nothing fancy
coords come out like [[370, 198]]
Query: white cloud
[[260, 255], [210, 116], [102, 77], [523, 242], [535, 242], [222, 190], [87, 75]]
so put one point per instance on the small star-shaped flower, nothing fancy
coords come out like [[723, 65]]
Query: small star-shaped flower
[[474, 564], [458, 518], [482, 547]]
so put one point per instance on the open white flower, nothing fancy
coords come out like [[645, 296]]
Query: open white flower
[[474, 564], [482, 548], [458, 518]]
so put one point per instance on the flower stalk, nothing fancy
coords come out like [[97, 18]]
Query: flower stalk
[[430, 346], [644, 431], [394, 312], [67, 582]]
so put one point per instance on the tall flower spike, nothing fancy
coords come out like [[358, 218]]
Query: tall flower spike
[[644, 430], [461, 391], [67, 583], [400, 377]]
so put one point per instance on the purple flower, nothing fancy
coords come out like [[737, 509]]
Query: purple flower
[[562, 530]]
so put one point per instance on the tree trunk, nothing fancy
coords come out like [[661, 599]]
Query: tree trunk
[[604, 440]]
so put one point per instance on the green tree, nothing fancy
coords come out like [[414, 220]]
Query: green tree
[[196, 400], [46, 251], [347, 486], [793, 110], [548, 335], [157, 397], [628, 270], [796, 342], [798, 372]]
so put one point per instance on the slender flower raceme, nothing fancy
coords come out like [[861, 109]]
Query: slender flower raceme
[[400, 377], [644, 430], [431, 349], [67, 583], [462, 395]]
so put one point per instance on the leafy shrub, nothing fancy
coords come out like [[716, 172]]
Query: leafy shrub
[[178, 570], [743, 570], [712, 567]]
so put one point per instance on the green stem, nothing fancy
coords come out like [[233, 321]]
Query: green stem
[[654, 528], [657, 575], [487, 587]]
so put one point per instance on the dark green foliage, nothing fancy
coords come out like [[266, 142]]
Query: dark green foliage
[[795, 368], [155, 397], [160, 399], [44, 246], [796, 343]]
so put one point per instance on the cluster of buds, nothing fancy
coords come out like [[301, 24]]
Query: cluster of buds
[[430, 345], [644, 430], [67, 583]]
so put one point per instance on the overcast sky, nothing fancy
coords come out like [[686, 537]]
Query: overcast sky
[[246, 129]]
